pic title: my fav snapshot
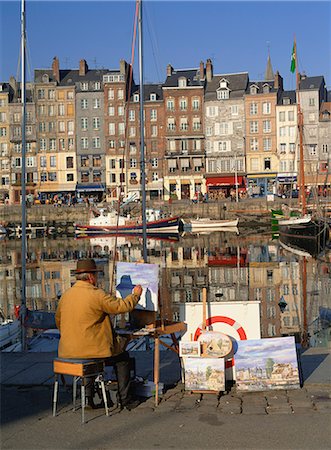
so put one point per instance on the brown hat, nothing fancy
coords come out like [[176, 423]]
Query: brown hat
[[87, 266]]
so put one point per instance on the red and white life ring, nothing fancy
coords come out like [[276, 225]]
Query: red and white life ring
[[223, 319]]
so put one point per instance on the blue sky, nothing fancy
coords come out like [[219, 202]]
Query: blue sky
[[235, 35]]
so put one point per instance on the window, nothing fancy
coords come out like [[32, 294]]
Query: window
[[195, 104], [112, 163], [282, 165], [84, 142], [96, 142], [266, 126], [153, 114], [267, 144], [70, 162], [52, 144], [312, 149], [254, 145], [253, 109], [121, 163], [267, 164], [43, 176], [155, 176], [18, 162], [266, 108], [253, 127], [282, 131], [152, 97], [113, 178], [96, 103], [83, 122], [290, 115], [171, 124], [84, 177], [97, 85], [133, 163], [96, 123], [111, 128], [52, 176], [132, 115], [154, 130], [183, 124], [266, 89], [42, 144], [196, 124], [224, 146], [70, 177], [3, 131], [282, 148], [70, 95], [111, 111], [120, 110], [234, 110], [96, 176], [154, 162], [311, 117], [84, 86], [110, 94], [325, 148], [211, 111], [311, 102], [121, 128], [223, 94], [132, 131], [182, 82], [292, 147], [84, 161], [42, 161], [84, 103], [253, 90], [183, 104], [170, 105], [111, 144], [184, 145], [120, 94], [41, 93], [52, 161]]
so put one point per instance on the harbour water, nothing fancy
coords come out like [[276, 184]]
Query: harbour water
[[232, 267]]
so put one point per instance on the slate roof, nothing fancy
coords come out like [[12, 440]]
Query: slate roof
[[311, 83], [237, 84], [148, 90], [287, 94], [71, 77], [192, 76], [260, 85]]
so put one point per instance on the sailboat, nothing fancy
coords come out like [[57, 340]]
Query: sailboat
[[302, 231]]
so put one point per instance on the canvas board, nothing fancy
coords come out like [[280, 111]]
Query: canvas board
[[129, 275], [240, 320], [217, 344], [267, 364], [204, 374], [189, 349]]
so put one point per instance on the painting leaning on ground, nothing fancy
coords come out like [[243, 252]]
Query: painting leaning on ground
[[267, 364]]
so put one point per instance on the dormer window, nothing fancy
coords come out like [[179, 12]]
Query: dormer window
[[84, 86], [223, 94], [182, 82], [326, 115], [152, 97], [97, 86], [286, 101], [45, 78], [253, 90], [136, 98], [224, 83], [266, 89]]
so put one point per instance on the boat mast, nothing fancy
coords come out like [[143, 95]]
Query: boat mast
[[302, 196], [142, 126], [23, 180]]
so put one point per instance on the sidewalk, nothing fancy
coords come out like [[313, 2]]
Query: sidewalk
[[294, 419]]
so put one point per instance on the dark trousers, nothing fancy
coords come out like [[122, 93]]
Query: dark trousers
[[122, 365]]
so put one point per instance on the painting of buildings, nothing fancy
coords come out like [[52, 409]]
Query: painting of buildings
[[191, 349], [215, 344], [128, 275], [204, 374], [267, 364]]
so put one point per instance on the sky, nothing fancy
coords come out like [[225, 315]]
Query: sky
[[237, 36]]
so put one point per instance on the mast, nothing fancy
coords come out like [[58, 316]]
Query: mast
[[142, 126], [302, 196], [23, 180]]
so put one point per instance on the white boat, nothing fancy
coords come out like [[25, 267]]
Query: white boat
[[201, 225], [10, 333]]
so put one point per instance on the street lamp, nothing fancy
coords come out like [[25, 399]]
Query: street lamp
[[282, 304]]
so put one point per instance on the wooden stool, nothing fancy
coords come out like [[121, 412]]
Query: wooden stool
[[79, 369]]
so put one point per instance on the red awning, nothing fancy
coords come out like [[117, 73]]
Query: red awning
[[224, 181]]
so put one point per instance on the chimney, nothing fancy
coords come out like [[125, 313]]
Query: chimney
[[123, 66], [278, 83], [209, 70], [83, 67], [169, 70], [56, 69], [202, 70]]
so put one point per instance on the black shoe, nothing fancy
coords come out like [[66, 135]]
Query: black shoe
[[130, 405], [89, 404]]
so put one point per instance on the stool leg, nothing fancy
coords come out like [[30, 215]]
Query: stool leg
[[56, 387], [104, 395], [83, 399], [74, 392]]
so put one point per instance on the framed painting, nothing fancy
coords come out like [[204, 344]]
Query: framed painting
[[128, 275], [215, 344], [204, 374], [191, 349], [267, 364]]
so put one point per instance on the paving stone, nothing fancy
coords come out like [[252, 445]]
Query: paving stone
[[277, 410], [302, 410], [253, 409], [324, 403], [234, 410]]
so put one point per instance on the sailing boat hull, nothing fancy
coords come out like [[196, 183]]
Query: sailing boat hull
[[310, 235], [168, 225]]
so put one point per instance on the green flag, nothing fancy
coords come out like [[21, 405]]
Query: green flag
[[293, 57]]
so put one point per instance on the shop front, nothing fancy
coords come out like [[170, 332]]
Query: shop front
[[219, 187], [286, 183], [93, 191], [261, 185]]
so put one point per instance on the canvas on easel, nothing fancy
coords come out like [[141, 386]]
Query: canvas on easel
[[128, 275]]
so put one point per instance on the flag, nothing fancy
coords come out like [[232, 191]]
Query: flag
[[294, 58]]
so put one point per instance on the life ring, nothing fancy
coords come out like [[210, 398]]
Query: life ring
[[223, 319]]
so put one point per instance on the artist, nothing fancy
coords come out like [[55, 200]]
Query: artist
[[86, 331]]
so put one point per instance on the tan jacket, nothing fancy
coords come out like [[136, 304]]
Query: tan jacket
[[83, 320]]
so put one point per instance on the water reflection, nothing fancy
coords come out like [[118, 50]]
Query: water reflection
[[231, 267]]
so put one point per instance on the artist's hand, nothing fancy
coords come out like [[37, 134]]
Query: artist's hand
[[137, 290]]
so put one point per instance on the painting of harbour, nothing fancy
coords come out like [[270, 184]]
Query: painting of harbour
[[204, 374], [267, 364]]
